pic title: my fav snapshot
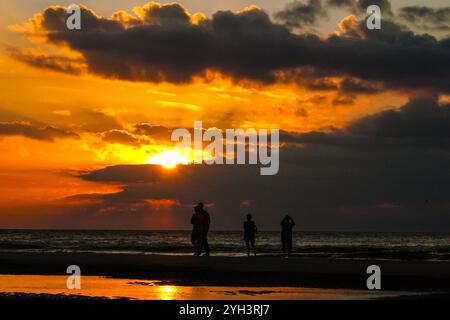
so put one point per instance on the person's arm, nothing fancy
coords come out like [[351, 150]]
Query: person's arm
[[192, 219]]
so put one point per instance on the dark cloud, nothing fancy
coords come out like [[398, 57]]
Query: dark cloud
[[27, 130], [341, 3], [385, 6], [321, 85], [360, 6], [353, 86], [121, 137], [387, 171], [420, 123], [248, 45], [54, 63], [427, 18], [54, 20], [156, 132], [299, 15], [389, 64], [172, 15]]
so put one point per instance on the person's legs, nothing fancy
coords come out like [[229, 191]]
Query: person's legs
[[253, 247], [247, 245], [289, 246], [197, 247], [283, 242], [196, 240], [205, 243]]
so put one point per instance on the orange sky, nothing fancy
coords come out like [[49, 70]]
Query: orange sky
[[91, 107]]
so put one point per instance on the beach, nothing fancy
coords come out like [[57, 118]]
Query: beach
[[418, 277], [159, 265]]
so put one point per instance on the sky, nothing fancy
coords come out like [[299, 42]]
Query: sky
[[86, 116]]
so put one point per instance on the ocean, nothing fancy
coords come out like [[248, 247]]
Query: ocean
[[339, 245]]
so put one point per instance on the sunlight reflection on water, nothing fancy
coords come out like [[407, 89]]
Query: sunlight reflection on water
[[111, 288]]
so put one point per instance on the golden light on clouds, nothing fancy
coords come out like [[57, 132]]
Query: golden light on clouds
[[168, 159]]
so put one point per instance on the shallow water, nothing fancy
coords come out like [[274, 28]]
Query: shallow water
[[110, 288]]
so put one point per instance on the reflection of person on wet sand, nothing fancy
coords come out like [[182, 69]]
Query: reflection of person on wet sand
[[286, 234], [197, 231], [249, 234]]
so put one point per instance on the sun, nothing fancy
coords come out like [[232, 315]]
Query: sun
[[168, 159]]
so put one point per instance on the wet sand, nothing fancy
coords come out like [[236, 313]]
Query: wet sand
[[95, 287], [412, 276]]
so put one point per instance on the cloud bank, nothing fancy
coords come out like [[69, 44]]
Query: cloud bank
[[164, 42]]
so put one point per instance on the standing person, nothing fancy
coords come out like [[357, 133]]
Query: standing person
[[249, 234], [197, 231], [206, 223], [286, 234]]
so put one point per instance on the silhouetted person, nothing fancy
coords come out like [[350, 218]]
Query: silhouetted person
[[249, 234], [197, 231], [286, 234], [206, 223]]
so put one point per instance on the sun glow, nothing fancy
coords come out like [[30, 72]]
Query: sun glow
[[168, 159], [167, 292]]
